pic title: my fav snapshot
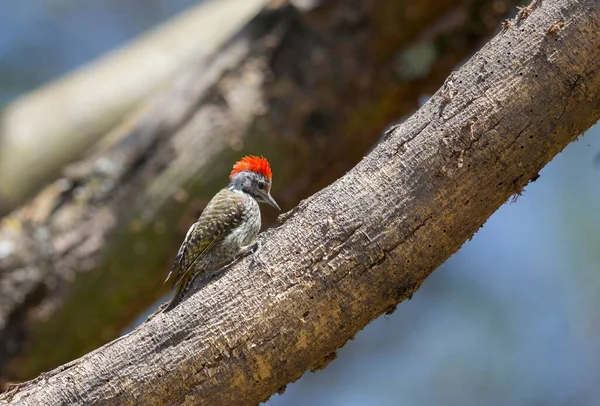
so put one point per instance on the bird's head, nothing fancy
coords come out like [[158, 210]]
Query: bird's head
[[252, 175]]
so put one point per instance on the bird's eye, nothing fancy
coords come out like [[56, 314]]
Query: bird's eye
[[261, 185]]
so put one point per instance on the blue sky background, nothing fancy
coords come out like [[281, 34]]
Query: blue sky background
[[43, 39], [511, 319]]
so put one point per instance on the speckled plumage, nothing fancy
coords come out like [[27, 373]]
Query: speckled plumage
[[226, 228], [230, 222]]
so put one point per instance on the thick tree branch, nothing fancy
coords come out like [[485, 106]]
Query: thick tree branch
[[363, 244]]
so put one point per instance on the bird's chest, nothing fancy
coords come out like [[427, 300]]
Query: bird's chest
[[249, 227]]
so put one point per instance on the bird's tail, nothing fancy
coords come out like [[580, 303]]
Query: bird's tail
[[182, 288]]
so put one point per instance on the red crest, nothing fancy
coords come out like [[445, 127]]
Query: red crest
[[254, 164]]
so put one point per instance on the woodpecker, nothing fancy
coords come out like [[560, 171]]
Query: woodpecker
[[227, 227]]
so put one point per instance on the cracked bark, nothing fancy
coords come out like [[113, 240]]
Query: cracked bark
[[360, 246]]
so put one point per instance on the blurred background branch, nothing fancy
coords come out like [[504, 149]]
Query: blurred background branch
[[69, 115]]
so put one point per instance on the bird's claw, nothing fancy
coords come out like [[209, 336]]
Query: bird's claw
[[255, 249]]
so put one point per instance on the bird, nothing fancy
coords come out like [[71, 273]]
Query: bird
[[227, 227]]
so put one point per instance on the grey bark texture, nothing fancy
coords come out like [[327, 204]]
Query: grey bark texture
[[312, 90], [357, 248]]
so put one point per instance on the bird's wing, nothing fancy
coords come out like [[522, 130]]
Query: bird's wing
[[222, 214]]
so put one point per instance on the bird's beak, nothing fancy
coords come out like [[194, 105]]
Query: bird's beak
[[271, 202]]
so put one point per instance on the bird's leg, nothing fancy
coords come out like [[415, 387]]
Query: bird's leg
[[255, 248]]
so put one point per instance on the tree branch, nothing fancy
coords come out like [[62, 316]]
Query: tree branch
[[363, 244]]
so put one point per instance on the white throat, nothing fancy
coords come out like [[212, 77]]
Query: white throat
[[234, 189]]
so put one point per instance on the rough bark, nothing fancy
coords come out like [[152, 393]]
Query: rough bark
[[358, 247], [71, 114], [88, 254]]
